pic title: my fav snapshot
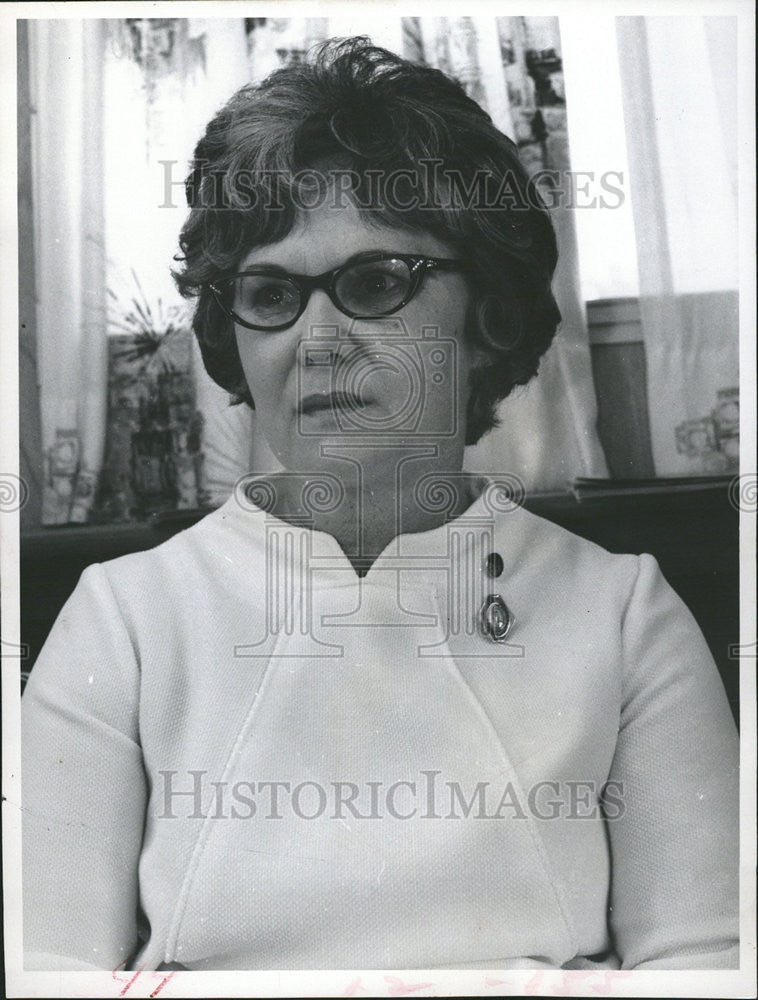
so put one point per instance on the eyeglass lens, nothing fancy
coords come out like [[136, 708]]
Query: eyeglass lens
[[367, 288]]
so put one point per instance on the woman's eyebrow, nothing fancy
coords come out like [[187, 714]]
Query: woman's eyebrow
[[265, 266], [279, 269]]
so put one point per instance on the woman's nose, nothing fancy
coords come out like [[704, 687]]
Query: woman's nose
[[320, 334], [321, 312]]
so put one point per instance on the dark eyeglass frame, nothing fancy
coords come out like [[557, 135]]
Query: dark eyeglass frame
[[418, 266]]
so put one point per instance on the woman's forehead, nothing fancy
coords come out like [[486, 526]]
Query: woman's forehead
[[325, 235]]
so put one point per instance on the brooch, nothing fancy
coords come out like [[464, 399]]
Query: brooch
[[495, 618]]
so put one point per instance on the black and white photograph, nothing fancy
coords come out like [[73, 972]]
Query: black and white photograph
[[377, 499]]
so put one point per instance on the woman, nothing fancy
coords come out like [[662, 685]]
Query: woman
[[370, 713]]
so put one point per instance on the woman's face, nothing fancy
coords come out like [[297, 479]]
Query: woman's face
[[327, 379]]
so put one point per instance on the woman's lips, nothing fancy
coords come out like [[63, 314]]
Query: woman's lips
[[319, 401]]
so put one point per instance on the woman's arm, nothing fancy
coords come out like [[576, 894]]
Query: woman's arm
[[83, 788], [675, 849]]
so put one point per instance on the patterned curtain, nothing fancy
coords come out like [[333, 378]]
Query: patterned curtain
[[512, 67], [680, 110], [170, 444], [66, 60]]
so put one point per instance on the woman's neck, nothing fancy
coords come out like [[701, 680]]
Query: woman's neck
[[364, 512]]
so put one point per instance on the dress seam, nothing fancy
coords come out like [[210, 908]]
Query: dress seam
[[536, 839], [175, 926]]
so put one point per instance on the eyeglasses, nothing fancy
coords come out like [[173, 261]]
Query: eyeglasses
[[368, 285]]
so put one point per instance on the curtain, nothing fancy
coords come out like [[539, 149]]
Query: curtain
[[680, 105], [164, 78], [512, 66], [66, 63], [30, 443]]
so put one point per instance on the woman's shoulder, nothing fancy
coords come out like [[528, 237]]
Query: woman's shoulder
[[553, 550], [222, 538], [509, 514]]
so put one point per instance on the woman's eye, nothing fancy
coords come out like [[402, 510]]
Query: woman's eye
[[379, 281], [377, 287], [261, 297], [272, 296]]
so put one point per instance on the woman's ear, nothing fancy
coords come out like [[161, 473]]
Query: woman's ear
[[479, 358]]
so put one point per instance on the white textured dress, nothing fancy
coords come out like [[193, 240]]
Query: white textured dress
[[240, 755]]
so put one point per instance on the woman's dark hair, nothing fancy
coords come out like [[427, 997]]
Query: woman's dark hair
[[435, 163]]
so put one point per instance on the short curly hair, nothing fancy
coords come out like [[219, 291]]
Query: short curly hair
[[362, 110]]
